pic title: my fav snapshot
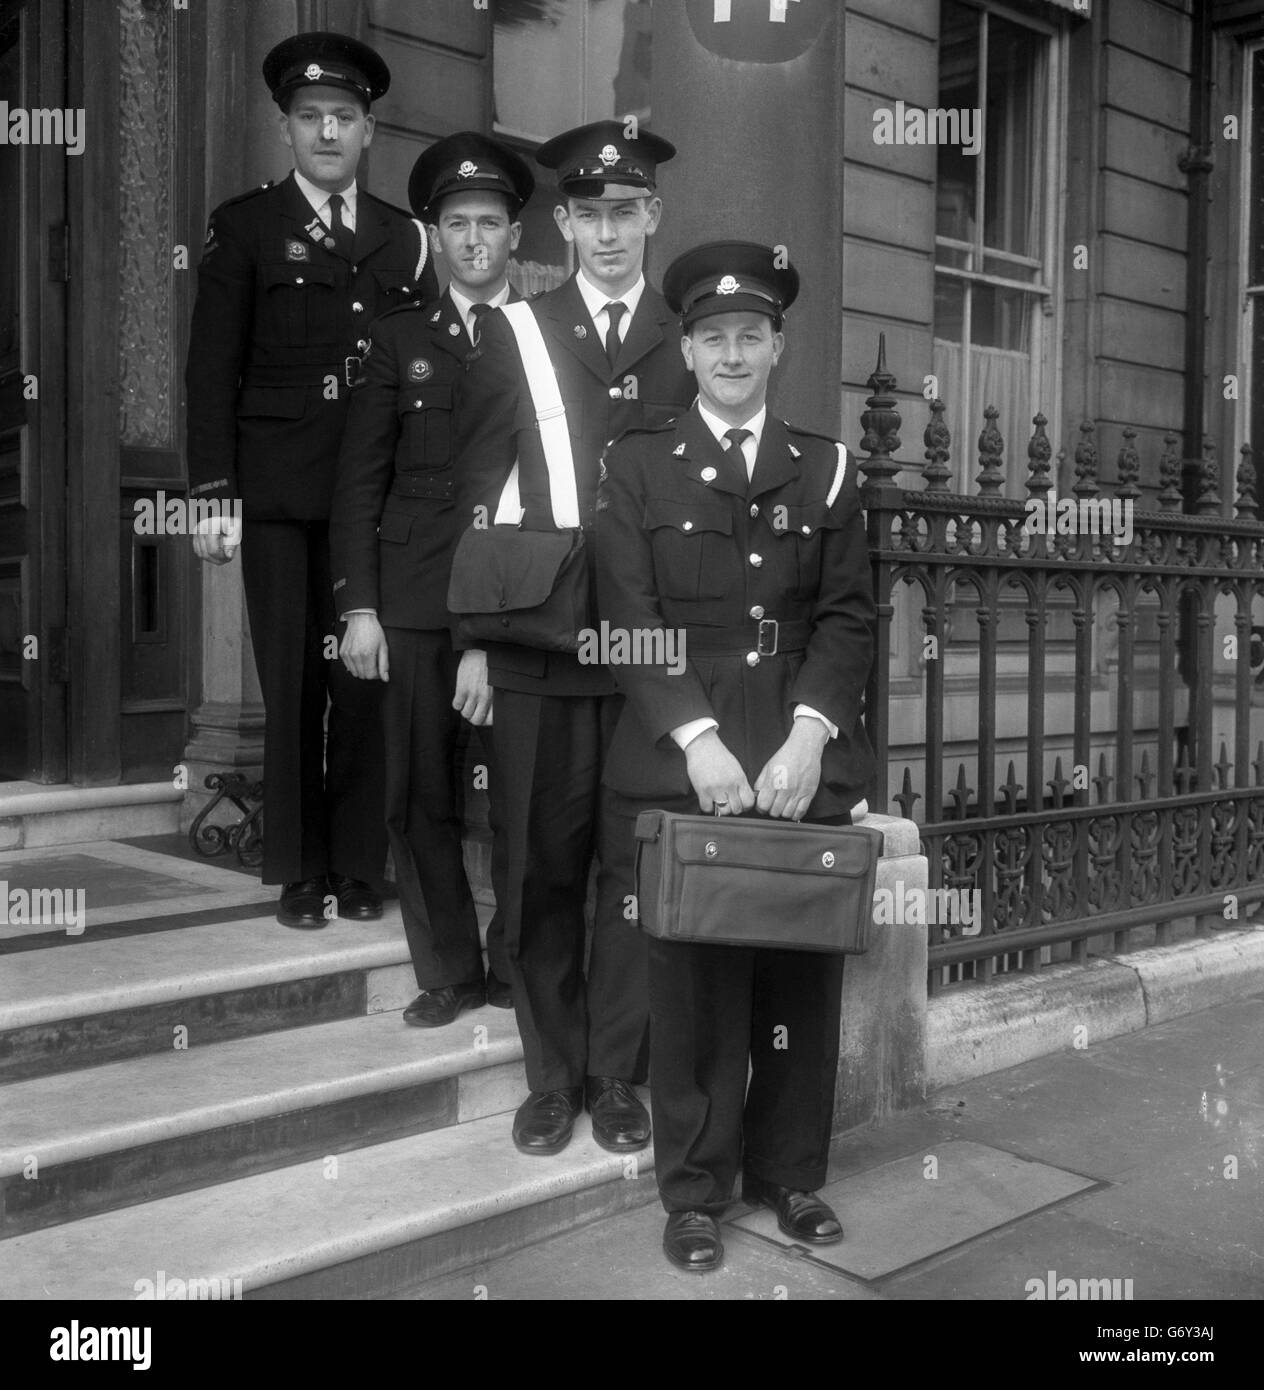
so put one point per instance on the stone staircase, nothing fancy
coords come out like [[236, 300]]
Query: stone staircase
[[227, 1108]]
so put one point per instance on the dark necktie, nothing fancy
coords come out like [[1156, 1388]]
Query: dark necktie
[[736, 439], [478, 310], [343, 236], [616, 310]]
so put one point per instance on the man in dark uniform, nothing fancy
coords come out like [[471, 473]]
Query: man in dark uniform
[[610, 342], [291, 276], [393, 526], [743, 534]]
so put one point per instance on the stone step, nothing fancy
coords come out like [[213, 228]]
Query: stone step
[[32, 814], [364, 1223], [89, 1003], [88, 1141]]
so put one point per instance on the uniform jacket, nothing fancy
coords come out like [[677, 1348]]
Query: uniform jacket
[[394, 517], [276, 318], [678, 551], [496, 424]]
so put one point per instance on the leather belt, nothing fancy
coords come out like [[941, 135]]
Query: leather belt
[[768, 637], [299, 373], [418, 485]]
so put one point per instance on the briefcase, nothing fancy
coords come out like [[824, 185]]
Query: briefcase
[[746, 881]]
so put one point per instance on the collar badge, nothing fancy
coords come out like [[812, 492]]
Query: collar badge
[[454, 329], [580, 331], [679, 451], [708, 474], [794, 453]]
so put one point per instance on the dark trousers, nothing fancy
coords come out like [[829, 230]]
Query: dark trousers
[[323, 796], [549, 751], [425, 740], [721, 1014]]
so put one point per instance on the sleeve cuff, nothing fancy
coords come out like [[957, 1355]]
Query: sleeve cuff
[[351, 611], [685, 734], [808, 712]]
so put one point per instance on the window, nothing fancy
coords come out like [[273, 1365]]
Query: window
[[558, 64], [995, 232]]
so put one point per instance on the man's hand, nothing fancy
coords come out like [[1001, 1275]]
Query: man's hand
[[789, 779], [473, 696], [217, 539], [364, 651], [717, 776]]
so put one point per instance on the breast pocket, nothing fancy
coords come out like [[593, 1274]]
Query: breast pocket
[[299, 304], [425, 417], [691, 544], [802, 529]]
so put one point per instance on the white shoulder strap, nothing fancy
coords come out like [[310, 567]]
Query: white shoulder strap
[[839, 474], [550, 414]]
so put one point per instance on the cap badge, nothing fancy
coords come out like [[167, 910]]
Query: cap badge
[[467, 169], [419, 369], [609, 155], [580, 331], [708, 474], [679, 451], [727, 286], [312, 71]]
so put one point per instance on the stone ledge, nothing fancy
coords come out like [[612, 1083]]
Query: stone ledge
[[1194, 975]]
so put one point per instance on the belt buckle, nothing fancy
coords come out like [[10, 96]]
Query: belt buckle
[[759, 641], [351, 369]]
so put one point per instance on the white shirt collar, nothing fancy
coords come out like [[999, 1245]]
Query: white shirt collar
[[719, 427], [319, 198], [595, 300], [462, 303]]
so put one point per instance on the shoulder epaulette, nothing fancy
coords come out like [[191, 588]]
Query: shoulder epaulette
[[399, 309], [811, 434], [643, 429], [381, 202], [246, 196]]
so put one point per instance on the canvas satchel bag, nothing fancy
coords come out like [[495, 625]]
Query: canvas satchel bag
[[513, 585]]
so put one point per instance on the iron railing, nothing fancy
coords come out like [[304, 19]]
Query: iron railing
[[1080, 836]]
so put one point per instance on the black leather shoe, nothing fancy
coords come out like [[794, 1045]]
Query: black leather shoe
[[692, 1241], [302, 904], [800, 1215], [432, 1008], [546, 1119], [499, 992], [356, 900], [620, 1122]]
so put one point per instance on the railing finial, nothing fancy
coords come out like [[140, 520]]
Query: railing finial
[[881, 423], [1086, 463], [1170, 498], [1247, 509], [1208, 480], [1039, 452], [937, 441], [991, 478], [1128, 467]]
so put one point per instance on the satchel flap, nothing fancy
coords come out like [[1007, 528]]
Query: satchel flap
[[502, 568], [787, 846], [689, 517], [649, 825]]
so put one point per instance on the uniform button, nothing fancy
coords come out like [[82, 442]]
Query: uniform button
[[298, 279], [361, 344], [357, 307], [752, 658], [688, 526], [754, 509], [355, 269], [416, 405], [757, 560], [615, 393], [757, 611], [408, 289], [807, 530]]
